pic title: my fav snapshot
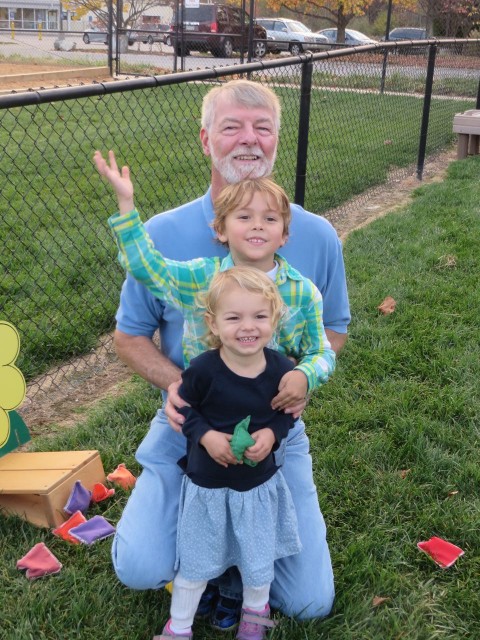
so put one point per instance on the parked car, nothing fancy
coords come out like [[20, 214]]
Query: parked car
[[284, 34], [217, 28], [149, 35], [407, 33], [95, 35], [352, 38]]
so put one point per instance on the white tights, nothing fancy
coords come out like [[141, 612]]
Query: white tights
[[186, 597]]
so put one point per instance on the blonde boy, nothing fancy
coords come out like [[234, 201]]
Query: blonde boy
[[252, 217]]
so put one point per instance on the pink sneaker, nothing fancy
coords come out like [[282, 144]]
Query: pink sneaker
[[168, 633], [254, 624]]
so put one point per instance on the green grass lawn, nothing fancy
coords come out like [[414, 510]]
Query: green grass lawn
[[60, 281], [395, 443], [398, 81]]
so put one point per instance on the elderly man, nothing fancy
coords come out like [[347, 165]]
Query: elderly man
[[240, 128]]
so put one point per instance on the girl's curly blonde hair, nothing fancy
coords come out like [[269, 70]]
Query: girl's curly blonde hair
[[248, 278]]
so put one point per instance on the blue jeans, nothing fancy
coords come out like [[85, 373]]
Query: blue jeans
[[143, 549]]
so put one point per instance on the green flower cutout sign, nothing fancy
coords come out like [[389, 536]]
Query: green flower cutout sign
[[13, 431]]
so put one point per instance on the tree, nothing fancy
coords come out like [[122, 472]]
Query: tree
[[452, 18], [129, 12], [374, 9], [337, 12]]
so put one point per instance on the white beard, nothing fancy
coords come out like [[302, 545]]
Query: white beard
[[232, 173]]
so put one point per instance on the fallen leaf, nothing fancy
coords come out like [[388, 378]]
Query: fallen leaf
[[378, 600], [388, 306], [404, 473], [452, 493]]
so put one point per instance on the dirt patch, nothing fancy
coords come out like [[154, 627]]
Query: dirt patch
[[67, 392], [379, 201], [32, 77], [22, 77]]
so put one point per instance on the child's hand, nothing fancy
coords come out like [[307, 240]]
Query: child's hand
[[264, 441], [218, 447], [120, 181], [292, 390]]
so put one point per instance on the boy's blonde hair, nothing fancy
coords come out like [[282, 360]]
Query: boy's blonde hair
[[241, 92], [247, 278], [234, 196]]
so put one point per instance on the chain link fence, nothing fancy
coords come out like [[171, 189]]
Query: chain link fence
[[352, 120]]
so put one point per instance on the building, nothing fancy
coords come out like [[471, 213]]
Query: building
[[29, 14]]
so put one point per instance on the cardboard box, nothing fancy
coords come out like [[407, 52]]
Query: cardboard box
[[36, 486]]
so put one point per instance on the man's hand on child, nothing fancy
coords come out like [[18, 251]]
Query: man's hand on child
[[175, 419], [296, 410], [120, 180], [292, 391], [218, 447], [264, 441]]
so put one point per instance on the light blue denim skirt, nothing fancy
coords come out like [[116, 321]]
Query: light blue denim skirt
[[222, 528]]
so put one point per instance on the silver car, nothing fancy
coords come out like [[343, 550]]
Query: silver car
[[352, 38], [95, 35], [284, 34], [149, 34]]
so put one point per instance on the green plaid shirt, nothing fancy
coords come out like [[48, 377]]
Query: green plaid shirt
[[300, 332]]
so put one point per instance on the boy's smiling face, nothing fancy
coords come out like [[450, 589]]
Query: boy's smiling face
[[254, 232]]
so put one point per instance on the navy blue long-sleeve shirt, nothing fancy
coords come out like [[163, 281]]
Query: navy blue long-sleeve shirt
[[219, 399]]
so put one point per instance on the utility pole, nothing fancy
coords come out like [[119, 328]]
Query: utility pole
[[389, 19], [61, 35], [385, 55]]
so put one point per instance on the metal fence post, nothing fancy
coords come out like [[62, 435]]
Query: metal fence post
[[176, 31], [384, 71], [432, 52], [110, 40], [387, 38], [250, 30], [303, 127]]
